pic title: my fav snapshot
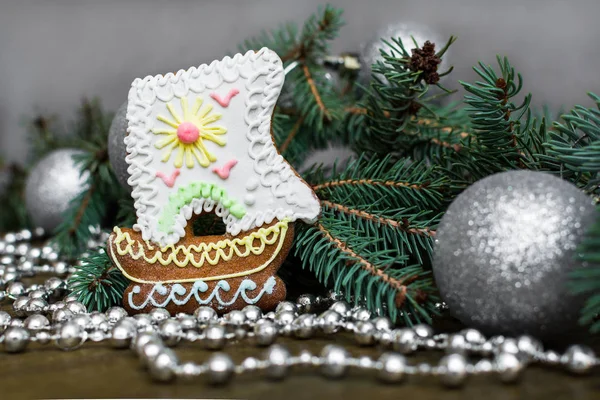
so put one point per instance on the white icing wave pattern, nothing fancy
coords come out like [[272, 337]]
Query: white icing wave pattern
[[178, 295]]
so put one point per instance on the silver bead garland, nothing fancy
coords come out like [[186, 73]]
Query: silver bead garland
[[43, 315]]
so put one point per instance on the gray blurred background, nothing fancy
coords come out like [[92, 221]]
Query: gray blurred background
[[55, 52]]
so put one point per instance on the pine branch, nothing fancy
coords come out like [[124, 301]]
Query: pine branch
[[97, 283], [586, 281], [89, 209], [396, 94], [377, 215]]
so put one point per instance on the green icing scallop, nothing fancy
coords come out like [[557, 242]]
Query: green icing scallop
[[184, 196]]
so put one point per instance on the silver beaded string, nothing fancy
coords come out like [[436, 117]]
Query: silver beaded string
[[43, 314]]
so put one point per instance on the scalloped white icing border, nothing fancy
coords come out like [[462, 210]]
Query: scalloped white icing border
[[267, 161]]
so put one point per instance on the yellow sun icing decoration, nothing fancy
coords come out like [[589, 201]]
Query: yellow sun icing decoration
[[189, 132]]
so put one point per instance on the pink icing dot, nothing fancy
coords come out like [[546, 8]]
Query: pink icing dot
[[187, 132]]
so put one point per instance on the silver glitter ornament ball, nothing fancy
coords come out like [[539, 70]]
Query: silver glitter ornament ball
[[51, 185], [504, 249], [370, 51], [116, 146]]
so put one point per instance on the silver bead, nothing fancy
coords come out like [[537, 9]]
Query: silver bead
[[5, 319], [340, 307], [17, 323], [70, 336], [143, 321], [61, 315], [361, 314], [162, 367], [382, 323], [250, 363], [53, 283], [71, 297], [508, 345], [303, 326], [456, 343], [43, 337], [188, 322], [214, 337], [277, 356], [453, 370], [334, 361], [306, 303], [122, 333], [205, 314], [19, 305], [36, 306], [188, 370], [423, 331], [579, 359], [473, 336], [60, 268], [142, 339], [392, 367], [15, 339], [170, 331], [484, 365], [528, 345], [76, 307], [385, 338], [284, 317], [115, 314], [508, 366], [235, 317], [330, 321], [15, 289], [220, 368], [149, 352], [37, 294], [404, 340], [265, 333], [286, 306], [252, 313], [364, 333], [97, 318], [36, 322]]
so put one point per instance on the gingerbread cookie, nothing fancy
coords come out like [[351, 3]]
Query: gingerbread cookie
[[199, 141]]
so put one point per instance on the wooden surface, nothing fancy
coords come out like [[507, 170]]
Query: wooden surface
[[98, 371]]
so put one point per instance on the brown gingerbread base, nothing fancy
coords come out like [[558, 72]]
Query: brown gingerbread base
[[229, 285]]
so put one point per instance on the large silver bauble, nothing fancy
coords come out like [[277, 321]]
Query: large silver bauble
[[370, 51], [504, 251], [116, 146], [52, 184]]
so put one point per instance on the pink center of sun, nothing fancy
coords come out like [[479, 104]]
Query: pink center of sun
[[187, 132]]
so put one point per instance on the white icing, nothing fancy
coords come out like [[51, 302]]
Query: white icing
[[247, 285], [249, 200], [277, 191]]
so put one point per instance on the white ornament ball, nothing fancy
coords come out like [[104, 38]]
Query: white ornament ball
[[370, 51], [116, 146], [504, 251], [51, 185]]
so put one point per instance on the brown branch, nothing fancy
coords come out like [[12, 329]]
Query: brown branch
[[82, 207], [315, 92], [398, 284], [299, 51], [386, 221], [501, 84], [291, 135], [368, 182]]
